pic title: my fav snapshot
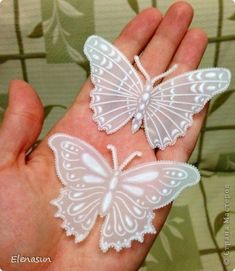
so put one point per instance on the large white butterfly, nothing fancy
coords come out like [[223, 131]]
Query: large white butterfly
[[166, 110], [125, 198]]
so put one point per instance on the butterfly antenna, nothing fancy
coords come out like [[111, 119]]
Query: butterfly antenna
[[114, 156], [129, 159], [172, 69], [141, 68]]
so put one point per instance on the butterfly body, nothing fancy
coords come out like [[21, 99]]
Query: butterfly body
[[143, 102], [110, 193]]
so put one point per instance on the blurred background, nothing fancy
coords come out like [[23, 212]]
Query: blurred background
[[41, 42]]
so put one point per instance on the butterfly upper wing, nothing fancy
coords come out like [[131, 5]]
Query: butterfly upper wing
[[117, 85], [78, 164], [154, 185], [141, 190], [175, 101], [85, 174]]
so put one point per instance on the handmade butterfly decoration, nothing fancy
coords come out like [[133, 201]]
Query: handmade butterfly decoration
[[124, 198], [165, 110]]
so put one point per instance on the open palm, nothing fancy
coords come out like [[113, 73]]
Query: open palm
[[28, 183]]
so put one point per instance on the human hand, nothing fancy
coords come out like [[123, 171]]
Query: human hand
[[28, 183]]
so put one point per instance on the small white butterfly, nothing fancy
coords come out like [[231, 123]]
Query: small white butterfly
[[166, 110], [125, 198]]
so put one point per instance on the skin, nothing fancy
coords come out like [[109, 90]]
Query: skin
[[28, 183]]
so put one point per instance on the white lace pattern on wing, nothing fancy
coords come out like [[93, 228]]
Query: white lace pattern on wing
[[79, 209], [175, 101], [78, 164], [117, 85]]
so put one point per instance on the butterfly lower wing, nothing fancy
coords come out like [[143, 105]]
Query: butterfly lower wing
[[78, 209], [77, 163], [175, 101], [125, 222], [117, 85], [112, 111]]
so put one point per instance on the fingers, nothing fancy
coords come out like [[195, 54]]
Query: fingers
[[22, 122], [136, 35], [160, 50], [190, 51], [188, 56], [132, 40]]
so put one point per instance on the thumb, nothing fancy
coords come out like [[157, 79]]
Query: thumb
[[22, 122]]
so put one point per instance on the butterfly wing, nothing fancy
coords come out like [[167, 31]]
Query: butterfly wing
[[78, 208], [77, 163], [85, 174], [175, 101], [117, 85], [125, 222], [141, 190]]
